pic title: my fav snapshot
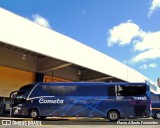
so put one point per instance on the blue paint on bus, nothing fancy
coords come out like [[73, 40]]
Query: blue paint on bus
[[83, 99]]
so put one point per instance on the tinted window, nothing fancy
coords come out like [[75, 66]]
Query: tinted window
[[94, 90], [69, 91], [24, 90], [111, 90], [131, 90], [39, 91]]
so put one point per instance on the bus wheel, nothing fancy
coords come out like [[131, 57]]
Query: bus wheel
[[34, 113], [157, 115], [113, 115]]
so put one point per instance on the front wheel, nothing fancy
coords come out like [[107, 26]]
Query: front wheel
[[34, 113], [113, 115], [157, 115]]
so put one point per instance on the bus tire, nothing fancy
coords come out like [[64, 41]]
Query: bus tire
[[34, 113], [113, 115], [157, 115]]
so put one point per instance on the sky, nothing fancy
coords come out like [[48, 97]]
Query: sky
[[126, 30]]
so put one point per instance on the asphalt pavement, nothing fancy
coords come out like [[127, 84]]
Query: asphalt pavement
[[77, 123]]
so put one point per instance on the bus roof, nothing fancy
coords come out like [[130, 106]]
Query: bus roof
[[87, 83]]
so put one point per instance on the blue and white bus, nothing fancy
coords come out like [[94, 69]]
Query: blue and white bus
[[82, 99]]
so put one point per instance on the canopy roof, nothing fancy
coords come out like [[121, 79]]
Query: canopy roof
[[23, 33]]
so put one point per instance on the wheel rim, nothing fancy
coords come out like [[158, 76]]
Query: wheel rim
[[34, 114], [158, 115], [113, 116]]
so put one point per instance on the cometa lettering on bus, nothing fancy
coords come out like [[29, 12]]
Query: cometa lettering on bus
[[57, 101]]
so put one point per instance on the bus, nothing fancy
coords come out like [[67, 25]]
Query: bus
[[82, 99], [155, 100]]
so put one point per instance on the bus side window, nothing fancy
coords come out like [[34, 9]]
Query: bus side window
[[122, 90], [38, 91], [131, 90], [111, 91]]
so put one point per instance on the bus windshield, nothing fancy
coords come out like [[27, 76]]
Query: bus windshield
[[21, 95], [23, 90]]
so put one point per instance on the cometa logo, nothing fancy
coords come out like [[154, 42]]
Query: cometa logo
[[56, 101]]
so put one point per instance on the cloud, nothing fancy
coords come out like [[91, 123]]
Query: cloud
[[145, 66], [41, 20], [152, 65], [149, 54], [149, 47], [155, 5], [150, 41], [124, 33], [145, 44]]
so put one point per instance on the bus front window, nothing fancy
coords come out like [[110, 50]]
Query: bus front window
[[20, 96]]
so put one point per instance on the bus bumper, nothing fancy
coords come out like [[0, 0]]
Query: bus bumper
[[19, 111]]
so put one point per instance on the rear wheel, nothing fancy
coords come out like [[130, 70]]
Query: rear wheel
[[113, 115], [157, 115], [34, 113]]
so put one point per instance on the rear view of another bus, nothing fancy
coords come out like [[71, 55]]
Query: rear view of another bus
[[155, 99]]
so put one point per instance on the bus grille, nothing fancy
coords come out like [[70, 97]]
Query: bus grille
[[140, 110]]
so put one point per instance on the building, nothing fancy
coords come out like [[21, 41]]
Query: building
[[30, 52]]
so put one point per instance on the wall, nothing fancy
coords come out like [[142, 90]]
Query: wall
[[54, 79], [12, 79]]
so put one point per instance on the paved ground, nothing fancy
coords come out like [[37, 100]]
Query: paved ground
[[80, 123], [82, 126]]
